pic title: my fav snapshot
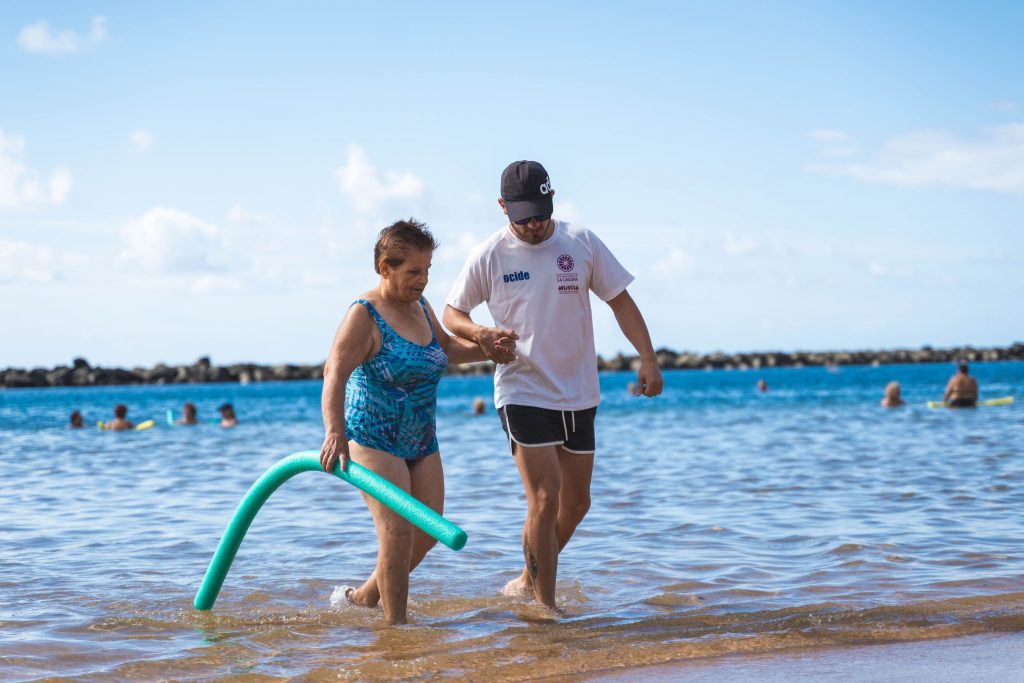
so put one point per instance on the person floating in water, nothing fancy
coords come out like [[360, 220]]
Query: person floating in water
[[762, 385], [77, 422], [189, 415], [962, 389], [227, 415], [479, 406], [120, 421], [892, 396]]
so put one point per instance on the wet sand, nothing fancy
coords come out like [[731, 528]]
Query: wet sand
[[990, 657]]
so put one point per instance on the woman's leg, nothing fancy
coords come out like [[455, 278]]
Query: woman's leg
[[427, 482], [390, 579], [427, 486]]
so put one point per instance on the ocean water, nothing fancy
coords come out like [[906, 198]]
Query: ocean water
[[723, 521]]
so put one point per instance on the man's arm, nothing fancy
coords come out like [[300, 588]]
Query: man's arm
[[489, 339], [949, 389], [648, 379]]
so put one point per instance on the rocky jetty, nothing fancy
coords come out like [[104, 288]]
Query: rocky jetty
[[81, 374], [668, 359]]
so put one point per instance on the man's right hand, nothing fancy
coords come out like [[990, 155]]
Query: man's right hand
[[497, 344]]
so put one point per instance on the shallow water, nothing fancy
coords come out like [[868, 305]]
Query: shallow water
[[723, 521]]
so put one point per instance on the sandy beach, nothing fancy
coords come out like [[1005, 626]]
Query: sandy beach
[[990, 657]]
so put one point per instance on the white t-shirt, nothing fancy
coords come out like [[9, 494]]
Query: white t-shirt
[[542, 292]]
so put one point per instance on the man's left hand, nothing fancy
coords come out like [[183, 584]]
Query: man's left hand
[[648, 379]]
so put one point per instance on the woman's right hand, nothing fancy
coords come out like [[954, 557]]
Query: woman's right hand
[[497, 344], [335, 449]]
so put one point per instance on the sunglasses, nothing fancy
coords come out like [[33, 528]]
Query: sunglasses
[[539, 219]]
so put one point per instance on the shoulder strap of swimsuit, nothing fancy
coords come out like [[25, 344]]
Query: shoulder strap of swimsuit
[[377, 317], [430, 321]]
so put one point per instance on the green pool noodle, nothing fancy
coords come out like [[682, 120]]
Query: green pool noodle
[[309, 461]]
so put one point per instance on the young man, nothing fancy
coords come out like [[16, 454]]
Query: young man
[[536, 275]]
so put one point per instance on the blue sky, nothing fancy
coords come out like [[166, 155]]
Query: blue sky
[[208, 178]]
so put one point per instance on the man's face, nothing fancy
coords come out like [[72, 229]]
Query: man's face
[[535, 231], [532, 230]]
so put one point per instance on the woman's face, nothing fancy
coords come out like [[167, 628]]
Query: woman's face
[[407, 280]]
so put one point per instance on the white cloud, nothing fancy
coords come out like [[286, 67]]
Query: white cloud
[[678, 261], [836, 143], [236, 214], [208, 283], [20, 187], [738, 245], [24, 262], [993, 160], [60, 185], [41, 39], [566, 211], [166, 240], [361, 183], [142, 140]]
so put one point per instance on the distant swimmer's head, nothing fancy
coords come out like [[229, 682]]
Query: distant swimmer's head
[[76, 420], [189, 409], [226, 409], [762, 385], [527, 198], [962, 368], [479, 407], [402, 257], [892, 396], [120, 411], [892, 390]]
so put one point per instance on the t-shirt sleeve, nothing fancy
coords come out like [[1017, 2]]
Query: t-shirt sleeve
[[609, 277], [471, 287]]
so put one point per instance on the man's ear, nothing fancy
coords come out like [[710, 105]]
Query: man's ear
[[504, 209]]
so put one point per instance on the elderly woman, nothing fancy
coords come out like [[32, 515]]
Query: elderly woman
[[379, 398]]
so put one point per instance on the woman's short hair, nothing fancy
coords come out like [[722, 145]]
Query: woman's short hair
[[398, 239]]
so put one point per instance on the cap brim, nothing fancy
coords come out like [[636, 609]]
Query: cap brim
[[518, 211]]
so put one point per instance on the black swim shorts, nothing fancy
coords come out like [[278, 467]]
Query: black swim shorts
[[573, 430], [963, 403]]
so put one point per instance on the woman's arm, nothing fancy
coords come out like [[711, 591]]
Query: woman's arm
[[495, 343], [353, 343], [461, 350]]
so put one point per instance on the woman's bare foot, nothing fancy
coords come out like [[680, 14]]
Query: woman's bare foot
[[519, 587], [364, 596]]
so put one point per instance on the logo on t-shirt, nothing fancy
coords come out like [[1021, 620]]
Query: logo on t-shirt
[[565, 263], [516, 277]]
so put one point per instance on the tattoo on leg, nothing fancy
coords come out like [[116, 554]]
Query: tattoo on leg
[[531, 560]]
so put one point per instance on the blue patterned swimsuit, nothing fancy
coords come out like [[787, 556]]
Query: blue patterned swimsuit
[[390, 399]]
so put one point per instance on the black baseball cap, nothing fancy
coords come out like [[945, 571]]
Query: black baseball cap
[[526, 190]]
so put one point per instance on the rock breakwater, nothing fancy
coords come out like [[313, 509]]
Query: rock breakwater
[[81, 373]]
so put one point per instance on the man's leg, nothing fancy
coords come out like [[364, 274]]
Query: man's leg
[[539, 469], [576, 471], [574, 495]]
